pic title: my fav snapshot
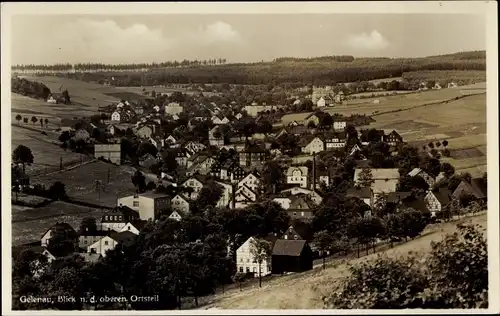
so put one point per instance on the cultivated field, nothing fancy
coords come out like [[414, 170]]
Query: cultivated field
[[28, 224], [305, 290], [81, 186], [46, 154], [461, 122]]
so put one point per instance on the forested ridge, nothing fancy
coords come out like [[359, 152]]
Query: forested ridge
[[326, 70]]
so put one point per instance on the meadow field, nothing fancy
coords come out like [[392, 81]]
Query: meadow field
[[81, 186], [305, 290], [461, 122], [46, 154], [28, 224]]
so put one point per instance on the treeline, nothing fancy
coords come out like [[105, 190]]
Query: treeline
[[28, 88], [134, 66], [342, 58], [445, 76]]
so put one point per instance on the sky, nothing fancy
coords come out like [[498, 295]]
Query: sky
[[238, 37]]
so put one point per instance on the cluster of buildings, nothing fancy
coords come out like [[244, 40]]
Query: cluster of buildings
[[236, 166]]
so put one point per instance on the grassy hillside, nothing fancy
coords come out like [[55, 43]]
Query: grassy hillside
[[305, 290]]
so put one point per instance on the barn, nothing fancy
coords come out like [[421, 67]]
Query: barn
[[291, 256]]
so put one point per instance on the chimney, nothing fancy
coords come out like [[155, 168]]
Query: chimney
[[234, 196], [314, 172]]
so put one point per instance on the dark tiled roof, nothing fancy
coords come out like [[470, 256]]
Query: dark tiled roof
[[93, 232], [362, 193], [394, 197], [284, 247], [443, 195], [480, 187]]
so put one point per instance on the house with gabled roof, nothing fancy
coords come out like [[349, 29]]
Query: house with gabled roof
[[63, 227], [312, 144], [385, 180], [476, 187], [254, 155], [244, 197], [421, 173], [297, 175], [393, 138], [336, 140], [437, 199], [251, 180], [134, 227], [313, 117], [300, 208], [180, 203], [291, 256], [364, 194], [196, 183], [194, 147], [116, 218], [245, 261]]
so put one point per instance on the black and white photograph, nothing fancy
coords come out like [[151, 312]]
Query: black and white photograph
[[256, 156]]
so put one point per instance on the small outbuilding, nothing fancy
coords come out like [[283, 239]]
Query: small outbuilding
[[291, 256]]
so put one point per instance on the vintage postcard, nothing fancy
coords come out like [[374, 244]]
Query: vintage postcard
[[321, 158]]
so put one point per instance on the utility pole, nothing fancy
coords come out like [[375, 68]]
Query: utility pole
[[109, 174], [60, 163]]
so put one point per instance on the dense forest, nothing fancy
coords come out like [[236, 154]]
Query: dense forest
[[28, 88], [328, 70]]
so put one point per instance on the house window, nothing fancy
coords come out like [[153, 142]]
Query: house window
[[106, 217], [241, 269], [136, 204], [248, 270], [294, 213], [295, 237], [254, 270], [286, 237], [93, 250], [301, 213], [106, 242], [248, 260]]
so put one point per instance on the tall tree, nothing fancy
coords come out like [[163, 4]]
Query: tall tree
[[324, 241], [365, 178], [23, 155], [18, 118], [260, 250], [139, 181]]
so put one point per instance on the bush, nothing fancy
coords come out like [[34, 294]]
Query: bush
[[453, 275]]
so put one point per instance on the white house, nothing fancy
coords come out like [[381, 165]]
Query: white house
[[215, 141], [321, 102], [67, 228], [173, 108], [102, 246], [246, 263], [250, 181], [149, 205], [316, 145], [175, 216], [297, 175], [194, 147], [339, 125], [435, 200], [385, 180], [180, 203], [195, 184], [134, 228], [335, 141], [115, 116]]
